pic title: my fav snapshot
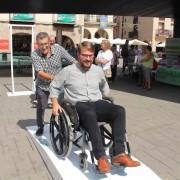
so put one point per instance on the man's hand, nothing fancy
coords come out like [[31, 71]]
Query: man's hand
[[56, 108]]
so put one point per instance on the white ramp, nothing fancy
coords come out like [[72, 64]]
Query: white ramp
[[69, 168]]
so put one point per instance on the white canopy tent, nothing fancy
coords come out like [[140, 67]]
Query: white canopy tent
[[118, 41], [13, 91], [161, 45], [94, 40], [137, 42]]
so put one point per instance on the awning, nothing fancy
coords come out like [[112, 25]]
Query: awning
[[161, 44], [137, 42]]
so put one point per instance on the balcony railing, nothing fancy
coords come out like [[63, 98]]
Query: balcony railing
[[96, 19]]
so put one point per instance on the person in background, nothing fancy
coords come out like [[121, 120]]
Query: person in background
[[47, 62], [177, 61], [86, 96], [125, 55], [131, 58], [163, 61], [147, 63], [114, 62], [139, 65], [104, 58], [52, 39]]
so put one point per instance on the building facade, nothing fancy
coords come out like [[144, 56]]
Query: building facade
[[151, 29], [68, 29], [96, 26]]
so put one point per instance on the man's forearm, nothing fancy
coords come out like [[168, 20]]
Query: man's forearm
[[54, 101], [46, 76]]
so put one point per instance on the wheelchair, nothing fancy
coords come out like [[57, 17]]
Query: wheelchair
[[66, 131]]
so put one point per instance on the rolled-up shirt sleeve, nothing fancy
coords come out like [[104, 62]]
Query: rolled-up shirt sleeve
[[57, 84], [104, 87]]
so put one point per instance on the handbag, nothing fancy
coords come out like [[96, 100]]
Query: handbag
[[108, 73]]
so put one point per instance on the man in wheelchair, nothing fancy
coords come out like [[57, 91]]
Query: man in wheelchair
[[84, 84]]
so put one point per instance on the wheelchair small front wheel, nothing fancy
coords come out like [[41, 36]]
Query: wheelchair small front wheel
[[83, 161]]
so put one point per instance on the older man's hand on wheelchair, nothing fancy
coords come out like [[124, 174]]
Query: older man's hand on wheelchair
[[56, 108]]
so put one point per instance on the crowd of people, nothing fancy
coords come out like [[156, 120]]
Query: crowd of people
[[85, 94]]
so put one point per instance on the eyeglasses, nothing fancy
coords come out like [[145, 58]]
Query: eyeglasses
[[87, 56], [43, 45]]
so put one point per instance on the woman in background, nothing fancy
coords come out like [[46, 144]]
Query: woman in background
[[147, 63], [104, 58]]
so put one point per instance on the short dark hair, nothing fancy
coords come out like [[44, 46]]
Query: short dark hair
[[41, 35], [149, 48], [87, 45]]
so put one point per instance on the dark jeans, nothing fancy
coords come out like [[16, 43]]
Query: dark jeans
[[101, 111], [125, 63], [42, 102], [114, 72], [139, 69]]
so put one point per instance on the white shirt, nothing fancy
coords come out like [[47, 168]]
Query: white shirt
[[108, 55]]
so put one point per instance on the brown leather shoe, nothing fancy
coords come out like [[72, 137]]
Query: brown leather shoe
[[103, 165], [124, 160]]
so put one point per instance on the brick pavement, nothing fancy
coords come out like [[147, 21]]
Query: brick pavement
[[153, 125]]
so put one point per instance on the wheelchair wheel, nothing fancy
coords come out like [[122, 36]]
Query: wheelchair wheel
[[106, 137], [60, 133], [83, 161]]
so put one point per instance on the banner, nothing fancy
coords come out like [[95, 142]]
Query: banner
[[4, 44], [103, 22], [66, 18], [22, 17]]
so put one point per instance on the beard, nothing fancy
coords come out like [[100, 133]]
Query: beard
[[86, 66]]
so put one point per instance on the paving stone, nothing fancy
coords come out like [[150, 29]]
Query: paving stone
[[153, 127]]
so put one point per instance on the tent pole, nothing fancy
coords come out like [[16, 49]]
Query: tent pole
[[32, 49], [12, 68]]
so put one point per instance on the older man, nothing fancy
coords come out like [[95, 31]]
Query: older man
[[47, 61], [84, 84]]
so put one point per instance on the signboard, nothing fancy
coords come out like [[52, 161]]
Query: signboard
[[66, 18], [22, 17], [103, 22], [4, 44]]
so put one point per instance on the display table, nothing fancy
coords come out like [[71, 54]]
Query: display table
[[18, 61], [169, 75]]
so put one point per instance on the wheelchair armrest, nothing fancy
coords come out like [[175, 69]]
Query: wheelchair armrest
[[109, 99]]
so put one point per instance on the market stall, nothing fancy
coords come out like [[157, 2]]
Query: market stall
[[169, 75]]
